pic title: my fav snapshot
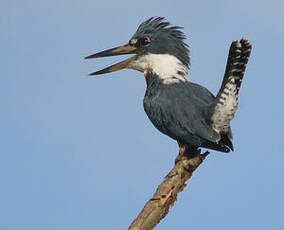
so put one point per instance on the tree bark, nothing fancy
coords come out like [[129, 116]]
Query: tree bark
[[166, 194]]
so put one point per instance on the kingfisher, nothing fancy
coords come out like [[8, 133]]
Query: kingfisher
[[185, 111]]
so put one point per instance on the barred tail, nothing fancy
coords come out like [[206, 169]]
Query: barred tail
[[225, 106]]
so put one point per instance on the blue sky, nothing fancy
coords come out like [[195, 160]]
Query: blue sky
[[80, 153]]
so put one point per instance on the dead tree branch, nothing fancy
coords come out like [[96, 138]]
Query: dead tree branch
[[166, 194]]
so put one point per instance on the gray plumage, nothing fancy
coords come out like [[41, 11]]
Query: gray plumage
[[165, 39], [188, 112], [185, 111]]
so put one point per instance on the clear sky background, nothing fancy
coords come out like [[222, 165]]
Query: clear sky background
[[79, 153]]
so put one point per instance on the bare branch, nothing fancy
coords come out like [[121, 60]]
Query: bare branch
[[166, 194]]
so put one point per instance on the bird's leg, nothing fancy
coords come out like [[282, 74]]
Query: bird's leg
[[189, 152], [186, 151], [181, 153], [182, 148]]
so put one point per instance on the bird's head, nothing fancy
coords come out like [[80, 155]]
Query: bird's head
[[158, 47]]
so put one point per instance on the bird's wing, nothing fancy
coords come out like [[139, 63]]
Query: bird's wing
[[226, 103], [180, 112], [195, 104]]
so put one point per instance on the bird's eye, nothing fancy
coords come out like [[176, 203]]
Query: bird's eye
[[144, 41]]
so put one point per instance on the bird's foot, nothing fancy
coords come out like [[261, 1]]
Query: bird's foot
[[187, 151]]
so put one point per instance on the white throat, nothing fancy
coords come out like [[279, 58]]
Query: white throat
[[167, 67]]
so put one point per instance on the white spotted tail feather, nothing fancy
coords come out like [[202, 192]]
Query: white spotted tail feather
[[226, 102]]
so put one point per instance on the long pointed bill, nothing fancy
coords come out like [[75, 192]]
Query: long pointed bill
[[120, 50]]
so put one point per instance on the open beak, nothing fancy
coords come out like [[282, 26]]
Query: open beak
[[120, 50]]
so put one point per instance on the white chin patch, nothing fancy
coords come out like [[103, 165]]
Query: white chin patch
[[167, 67]]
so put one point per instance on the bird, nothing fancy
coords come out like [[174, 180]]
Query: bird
[[179, 108]]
